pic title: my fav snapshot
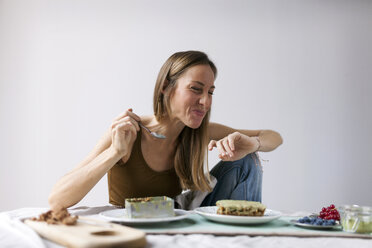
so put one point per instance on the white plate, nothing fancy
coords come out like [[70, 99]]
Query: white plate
[[210, 213], [306, 225], [120, 215]]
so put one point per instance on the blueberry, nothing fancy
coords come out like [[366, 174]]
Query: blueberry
[[301, 220], [319, 222], [332, 222], [306, 219]]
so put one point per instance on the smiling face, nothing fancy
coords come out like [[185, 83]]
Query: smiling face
[[192, 96]]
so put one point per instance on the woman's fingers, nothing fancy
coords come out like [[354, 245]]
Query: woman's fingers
[[225, 146], [128, 112], [127, 126], [125, 117], [225, 143], [221, 146], [122, 130], [217, 144], [212, 144], [134, 116], [135, 124], [231, 142], [116, 123], [229, 147], [121, 127], [221, 149], [125, 120]]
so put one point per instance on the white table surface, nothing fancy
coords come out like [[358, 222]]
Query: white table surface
[[13, 233]]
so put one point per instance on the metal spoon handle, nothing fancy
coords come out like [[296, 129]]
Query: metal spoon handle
[[148, 130], [156, 135]]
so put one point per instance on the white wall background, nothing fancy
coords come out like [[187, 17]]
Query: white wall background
[[303, 68]]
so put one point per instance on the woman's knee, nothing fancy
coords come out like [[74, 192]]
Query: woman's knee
[[248, 164], [251, 163], [251, 158]]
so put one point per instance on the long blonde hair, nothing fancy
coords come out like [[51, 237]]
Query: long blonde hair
[[192, 144]]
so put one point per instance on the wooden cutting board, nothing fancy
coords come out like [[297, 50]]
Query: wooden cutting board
[[90, 233]]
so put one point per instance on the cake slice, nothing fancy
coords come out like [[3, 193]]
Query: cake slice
[[150, 207], [240, 208]]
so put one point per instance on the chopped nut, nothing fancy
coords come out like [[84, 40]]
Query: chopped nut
[[57, 217]]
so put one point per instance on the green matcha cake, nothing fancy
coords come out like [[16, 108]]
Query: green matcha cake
[[150, 207], [240, 208]]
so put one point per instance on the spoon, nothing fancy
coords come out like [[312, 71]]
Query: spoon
[[156, 135]]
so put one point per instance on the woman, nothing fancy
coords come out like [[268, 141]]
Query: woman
[[140, 165]]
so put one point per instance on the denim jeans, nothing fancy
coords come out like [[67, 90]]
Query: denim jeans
[[236, 180]]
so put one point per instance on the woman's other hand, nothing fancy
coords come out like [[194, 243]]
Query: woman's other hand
[[124, 130], [235, 146]]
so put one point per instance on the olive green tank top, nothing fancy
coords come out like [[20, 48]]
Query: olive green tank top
[[136, 179]]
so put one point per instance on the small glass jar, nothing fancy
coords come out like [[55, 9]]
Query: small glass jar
[[356, 219]]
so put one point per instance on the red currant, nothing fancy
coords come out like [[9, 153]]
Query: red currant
[[329, 213]]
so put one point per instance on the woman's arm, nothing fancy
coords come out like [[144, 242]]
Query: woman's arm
[[236, 143], [116, 144], [269, 139]]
